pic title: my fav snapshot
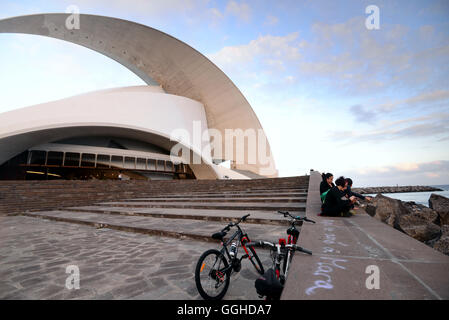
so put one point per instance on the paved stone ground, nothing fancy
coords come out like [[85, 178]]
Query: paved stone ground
[[34, 254]]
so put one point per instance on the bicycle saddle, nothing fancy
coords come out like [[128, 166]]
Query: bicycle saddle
[[219, 235]]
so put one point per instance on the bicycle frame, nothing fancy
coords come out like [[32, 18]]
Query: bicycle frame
[[242, 239], [278, 259]]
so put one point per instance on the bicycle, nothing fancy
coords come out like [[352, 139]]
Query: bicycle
[[293, 235], [213, 282], [272, 282]]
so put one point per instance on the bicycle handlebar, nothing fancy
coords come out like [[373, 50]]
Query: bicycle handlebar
[[232, 224], [272, 245], [297, 218], [302, 250]]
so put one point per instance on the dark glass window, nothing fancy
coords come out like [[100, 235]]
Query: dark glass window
[[130, 162], [72, 159], [54, 158], [170, 166], [151, 164], [103, 161], [88, 160], [38, 157], [141, 164], [117, 161]]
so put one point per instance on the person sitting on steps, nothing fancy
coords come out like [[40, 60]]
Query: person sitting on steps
[[326, 184], [350, 193], [335, 204]]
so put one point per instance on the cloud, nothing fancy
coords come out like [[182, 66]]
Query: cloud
[[264, 53], [410, 173], [154, 12], [357, 61], [416, 100], [216, 16], [348, 58], [271, 20], [428, 126], [362, 115], [407, 166], [240, 10], [139, 6]]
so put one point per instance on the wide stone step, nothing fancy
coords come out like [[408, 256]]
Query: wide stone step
[[176, 228], [246, 206], [224, 195], [257, 217], [215, 199]]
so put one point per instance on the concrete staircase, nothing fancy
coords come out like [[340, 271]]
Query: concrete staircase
[[26, 196], [179, 209]]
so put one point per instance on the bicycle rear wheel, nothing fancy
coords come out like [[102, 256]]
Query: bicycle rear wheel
[[211, 275]]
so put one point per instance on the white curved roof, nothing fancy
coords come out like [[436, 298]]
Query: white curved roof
[[153, 56], [142, 113]]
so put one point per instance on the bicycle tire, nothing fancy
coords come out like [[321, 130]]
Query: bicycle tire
[[199, 269], [258, 266]]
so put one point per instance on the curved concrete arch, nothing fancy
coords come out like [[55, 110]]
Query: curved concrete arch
[[107, 113], [155, 56]]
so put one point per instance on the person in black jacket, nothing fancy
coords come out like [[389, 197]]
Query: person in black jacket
[[335, 203], [327, 183], [350, 193]]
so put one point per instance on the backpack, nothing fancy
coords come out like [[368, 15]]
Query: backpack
[[269, 286], [323, 196]]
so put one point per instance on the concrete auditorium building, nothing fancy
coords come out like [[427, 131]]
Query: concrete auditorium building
[[128, 131]]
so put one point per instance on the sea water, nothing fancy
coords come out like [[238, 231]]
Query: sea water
[[417, 197]]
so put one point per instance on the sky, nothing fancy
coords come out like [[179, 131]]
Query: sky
[[331, 94]]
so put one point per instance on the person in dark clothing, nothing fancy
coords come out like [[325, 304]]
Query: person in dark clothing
[[335, 204], [326, 184], [349, 193]]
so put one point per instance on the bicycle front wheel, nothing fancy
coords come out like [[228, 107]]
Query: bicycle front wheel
[[212, 276]]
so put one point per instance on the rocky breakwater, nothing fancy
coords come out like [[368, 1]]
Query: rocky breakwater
[[397, 189], [426, 224]]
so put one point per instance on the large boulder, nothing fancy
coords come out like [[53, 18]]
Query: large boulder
[[386, 209], [419, 228], [442, 244], [441, 205], [423, 212], [415, 220]]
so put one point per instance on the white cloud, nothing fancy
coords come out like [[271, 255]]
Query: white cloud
[[431, 126], [240, 10], [271, 20], [270, 51], [215, 15], [410, 173], [419, 99]]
